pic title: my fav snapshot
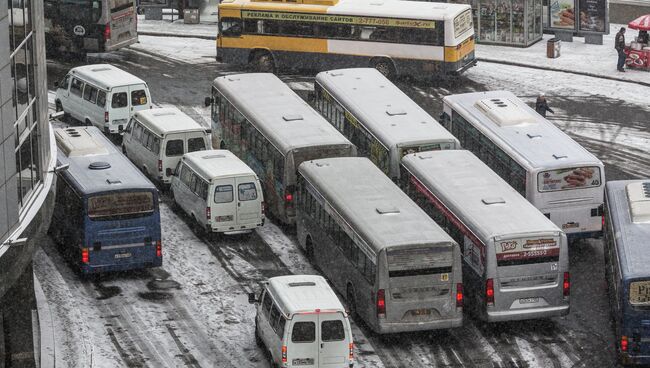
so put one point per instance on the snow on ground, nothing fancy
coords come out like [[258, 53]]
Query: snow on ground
[[190, 50], [574, 56], [207, 27]]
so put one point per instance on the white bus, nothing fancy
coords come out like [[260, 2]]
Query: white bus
[[397, 269], [264, 123], [516, 261], [377, 117], [556, 174]]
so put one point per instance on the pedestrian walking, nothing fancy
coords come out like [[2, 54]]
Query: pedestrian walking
[[541, 105], [619, 45]]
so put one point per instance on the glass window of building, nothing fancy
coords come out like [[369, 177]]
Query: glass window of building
[[28, 170]]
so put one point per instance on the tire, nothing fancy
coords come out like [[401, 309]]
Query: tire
[[124, 151], [258, 338], [385, 67], [263, 62]]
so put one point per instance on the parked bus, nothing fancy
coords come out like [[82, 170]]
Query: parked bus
[[264, 123], [106, 215], [556, 174], [377, 117], [396, 37], [90, 25], [516, 262], [397, 269], [627, 230]]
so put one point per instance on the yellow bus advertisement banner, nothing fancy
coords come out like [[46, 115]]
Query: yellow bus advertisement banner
[[340, 19]]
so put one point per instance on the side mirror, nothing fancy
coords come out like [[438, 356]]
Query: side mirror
[[56, 84], [208, 101], [168, 171], [251, 298]]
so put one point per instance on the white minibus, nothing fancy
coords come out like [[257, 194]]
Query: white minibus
[[516, 261], [301, 323], [219, 192], [102, 95], [156, 139], [555, 173]]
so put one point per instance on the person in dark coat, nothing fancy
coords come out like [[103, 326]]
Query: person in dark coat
[[541, 105], [619, 45]]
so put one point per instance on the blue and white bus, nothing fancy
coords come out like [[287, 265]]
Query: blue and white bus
[[626, 232], [106, 215]]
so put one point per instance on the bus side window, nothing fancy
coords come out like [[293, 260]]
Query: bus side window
[[231, 27], [65, 83]]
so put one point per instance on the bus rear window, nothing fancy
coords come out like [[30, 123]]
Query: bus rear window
[[120, 205], [513, 252], [640, 293], [420, 261], [462, 23], [426, 147], [569, 178]]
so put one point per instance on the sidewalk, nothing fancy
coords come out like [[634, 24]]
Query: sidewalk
[[575, 57]]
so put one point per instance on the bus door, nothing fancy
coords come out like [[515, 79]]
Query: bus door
[[121, 29], [527, 270]]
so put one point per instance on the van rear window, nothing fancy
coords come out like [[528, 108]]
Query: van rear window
[[303, 332], [195, 144], [247, 192], [174, 148], [332, 330], [223, 194], [138, 98], [119, 100]]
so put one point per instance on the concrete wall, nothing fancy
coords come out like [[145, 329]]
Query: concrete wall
[[623, 11]]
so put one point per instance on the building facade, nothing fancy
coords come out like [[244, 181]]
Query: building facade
[[27, 159]]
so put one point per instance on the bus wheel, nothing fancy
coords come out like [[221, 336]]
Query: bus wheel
[[385, 67], [352, 304], [263, 62], [124, 151]]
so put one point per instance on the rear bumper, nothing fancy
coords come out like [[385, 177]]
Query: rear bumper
[[388, 327], [462, 69], [237, 229], [533, 313], [628, 359], [90, 269]]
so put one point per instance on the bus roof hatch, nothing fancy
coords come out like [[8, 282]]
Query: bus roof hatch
[[638, 195], [504, 112]]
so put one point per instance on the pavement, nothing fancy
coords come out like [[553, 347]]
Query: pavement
[[575, 57]]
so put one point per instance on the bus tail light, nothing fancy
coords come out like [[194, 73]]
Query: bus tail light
[[624, 343], [459, 295], [288, 198], [489, 292], [158, 249], [107, 32], [208, 213], [263, 205], [160, 166], [106, 117], [351, 351], [85, 257], [381, 303], [566, 285], [284, 354]]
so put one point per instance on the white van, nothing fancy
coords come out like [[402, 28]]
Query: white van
[[156, 139], [301, 323], [102, 95], [219, 192]]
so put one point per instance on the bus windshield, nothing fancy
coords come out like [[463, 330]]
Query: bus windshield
[[426, 147], [430, 260], [512, 252], [120, 205], [85, 11], [569, 178]]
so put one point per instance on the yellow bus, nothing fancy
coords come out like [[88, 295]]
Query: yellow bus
[[415, 38]]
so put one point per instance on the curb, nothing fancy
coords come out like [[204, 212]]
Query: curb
[[46, 328], [586, 74], [179, 35]]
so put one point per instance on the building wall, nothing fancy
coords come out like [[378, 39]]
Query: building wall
[[27, 156]]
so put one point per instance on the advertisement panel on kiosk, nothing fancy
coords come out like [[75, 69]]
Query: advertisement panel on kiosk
[[577, 16]]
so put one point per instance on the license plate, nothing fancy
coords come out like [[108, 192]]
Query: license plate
[[421, 312], [570, 225], [303, 361], [528, 300], [122, 255]]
